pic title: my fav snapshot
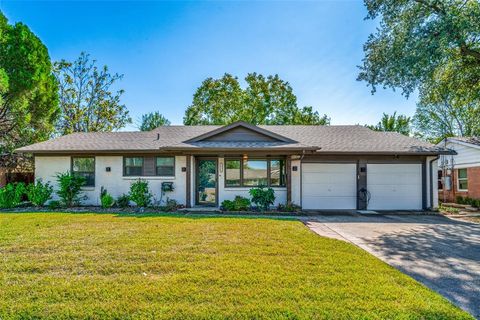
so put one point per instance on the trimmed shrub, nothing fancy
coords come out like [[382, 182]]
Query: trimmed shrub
[[123, 201], [476, 203], [460, 200], [140, 193], [238, 204], [54, 204], [288, 207], [106, 200], [39, 193], [228, 205], [11, 195], [262, 197], [241, 203], [70, 187]]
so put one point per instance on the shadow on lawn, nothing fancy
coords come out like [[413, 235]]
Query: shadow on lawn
[[443, 256]]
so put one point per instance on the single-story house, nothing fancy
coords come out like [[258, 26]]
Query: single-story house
[[459, 173], [317, 167]]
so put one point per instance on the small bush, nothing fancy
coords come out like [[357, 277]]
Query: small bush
[[38, 193], [54, 204], [106, 200], [238, 204], [460, 200], [241, 203], [11, 195], [123, 201], [70, 188], [448, 210], [228, 205], [473, 202], [140, 193], [263, 197], [288, 207]]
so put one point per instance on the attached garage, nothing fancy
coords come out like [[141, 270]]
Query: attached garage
[[395, 186], [329, 186]]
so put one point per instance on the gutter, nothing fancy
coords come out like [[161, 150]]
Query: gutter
[[431, 180]]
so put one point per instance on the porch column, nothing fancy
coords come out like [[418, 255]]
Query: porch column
[[188, 188], [289, 179]]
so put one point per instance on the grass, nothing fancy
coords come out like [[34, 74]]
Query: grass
[[104, 266]]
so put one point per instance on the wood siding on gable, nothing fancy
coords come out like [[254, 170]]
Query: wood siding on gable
[[241, 134], [466, 156]]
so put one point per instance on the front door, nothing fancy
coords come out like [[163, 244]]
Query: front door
[[206, 182]]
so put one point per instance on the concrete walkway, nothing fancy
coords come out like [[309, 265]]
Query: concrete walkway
[[441, 253]]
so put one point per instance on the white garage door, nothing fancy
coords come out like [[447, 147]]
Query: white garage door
[[395, 186], [329, 186]]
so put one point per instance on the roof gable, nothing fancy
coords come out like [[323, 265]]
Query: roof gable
[[471, 142], [240, 132]]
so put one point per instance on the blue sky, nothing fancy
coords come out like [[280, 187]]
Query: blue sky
[[166, 49]]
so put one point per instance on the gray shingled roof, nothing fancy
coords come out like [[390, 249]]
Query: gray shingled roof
[[471, 140], [327, 139]]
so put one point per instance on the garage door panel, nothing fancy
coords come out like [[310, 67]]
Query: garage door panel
[[395, 190], [386, 178], [327, 179], [329, 203], [329, 191], [329, 186], [395, 186]]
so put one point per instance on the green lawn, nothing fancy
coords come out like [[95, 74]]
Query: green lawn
[[105, 266]]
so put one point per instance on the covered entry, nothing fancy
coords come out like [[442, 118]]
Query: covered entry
[[329, 186]]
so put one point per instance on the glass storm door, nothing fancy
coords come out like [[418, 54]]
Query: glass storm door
[[206, 190]]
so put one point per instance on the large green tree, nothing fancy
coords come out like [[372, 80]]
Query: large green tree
[[87, 101], [153, 120], [28, 90], [393, 123], [265, 100], [432, 46]]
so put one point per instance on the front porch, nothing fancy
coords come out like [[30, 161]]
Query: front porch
[[211, 179]]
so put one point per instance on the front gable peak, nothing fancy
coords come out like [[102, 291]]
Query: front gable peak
[[240, 131]]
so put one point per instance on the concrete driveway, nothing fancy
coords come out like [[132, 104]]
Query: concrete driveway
[[441, 253]]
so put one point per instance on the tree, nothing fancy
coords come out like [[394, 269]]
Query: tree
[[393, 123], [153, 120], [216, 101], [417, 38], [266, 100], [444, 111], [439, 117], [28, 90], [431, 46], [86, 102], [306, 115]]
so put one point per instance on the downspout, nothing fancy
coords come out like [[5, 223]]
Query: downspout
[[431, 180]]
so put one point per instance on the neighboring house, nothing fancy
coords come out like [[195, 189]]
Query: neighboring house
[[316, 167], [15, 168], [459, 174]]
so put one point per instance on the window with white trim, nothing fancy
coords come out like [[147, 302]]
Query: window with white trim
[[84, 167], [462, 180]]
